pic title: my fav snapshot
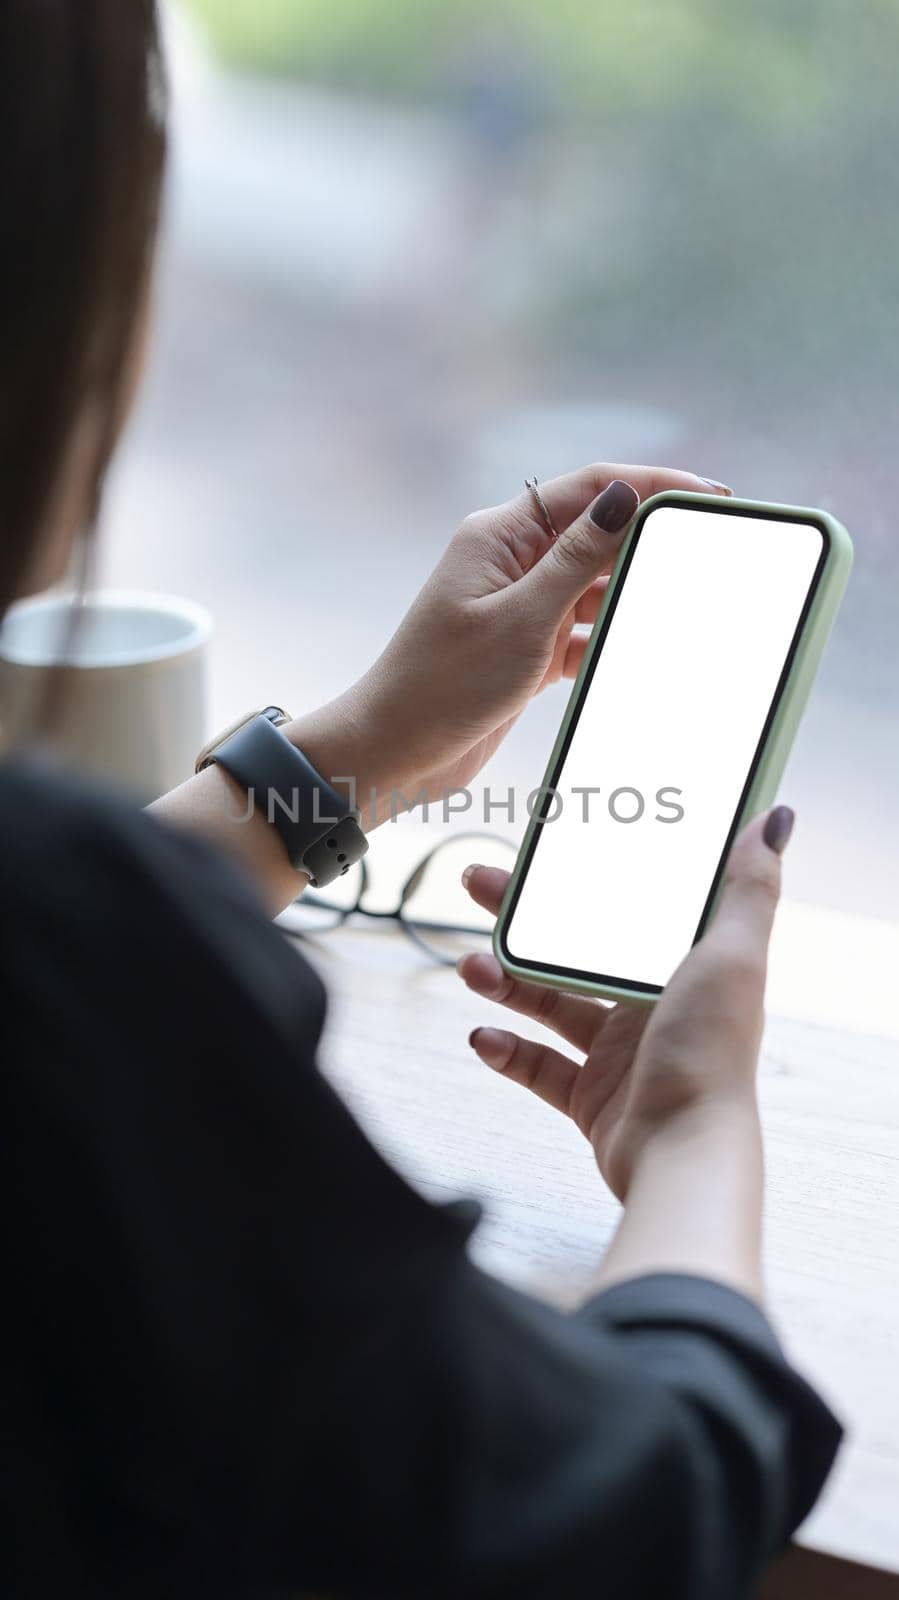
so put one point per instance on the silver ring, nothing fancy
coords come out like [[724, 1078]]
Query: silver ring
[[534, 485]]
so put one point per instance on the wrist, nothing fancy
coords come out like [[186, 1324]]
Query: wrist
[[343, 744], [703, 1130], [693, 1199]]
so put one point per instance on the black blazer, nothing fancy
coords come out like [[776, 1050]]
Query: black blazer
[[245, 1358]]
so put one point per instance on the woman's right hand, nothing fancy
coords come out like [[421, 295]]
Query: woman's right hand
[[648, 1070]]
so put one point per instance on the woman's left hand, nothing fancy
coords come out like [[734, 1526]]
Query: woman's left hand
[[498, 619]]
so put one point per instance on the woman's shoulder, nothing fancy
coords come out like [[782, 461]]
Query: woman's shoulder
[[60, 827], [85, 868]]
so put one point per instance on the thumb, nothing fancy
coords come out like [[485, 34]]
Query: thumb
[[751, 890], [582, 553]]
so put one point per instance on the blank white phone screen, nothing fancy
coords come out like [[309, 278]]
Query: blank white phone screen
[[647, 793]]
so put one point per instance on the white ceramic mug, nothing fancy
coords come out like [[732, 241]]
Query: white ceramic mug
[[133, 707]]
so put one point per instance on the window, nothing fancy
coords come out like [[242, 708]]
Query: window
[[444, 245]]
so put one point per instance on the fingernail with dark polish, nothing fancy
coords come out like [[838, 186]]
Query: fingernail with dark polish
[[719, 488], [777, 829], [615, 507]]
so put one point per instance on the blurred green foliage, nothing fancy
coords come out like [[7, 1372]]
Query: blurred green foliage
[[606, 55], [756, 143]]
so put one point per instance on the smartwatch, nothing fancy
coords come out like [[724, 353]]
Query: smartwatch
[[321, 833]]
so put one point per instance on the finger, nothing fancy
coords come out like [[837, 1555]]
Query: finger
[[547, 1073], [586, 610], [574, 654], [751, 888], [577, 558], [486, 885], [576, 1020], [569, 496]]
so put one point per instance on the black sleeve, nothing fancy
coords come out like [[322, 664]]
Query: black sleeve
[[247, 1359]]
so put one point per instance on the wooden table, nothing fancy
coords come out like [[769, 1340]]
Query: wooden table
[[396, 1049]]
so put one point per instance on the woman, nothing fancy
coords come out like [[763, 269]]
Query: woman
[[243, 1358]]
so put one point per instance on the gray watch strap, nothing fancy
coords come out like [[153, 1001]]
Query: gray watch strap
[[321, 833]]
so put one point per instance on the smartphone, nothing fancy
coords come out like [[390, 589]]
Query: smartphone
[[676, 734]]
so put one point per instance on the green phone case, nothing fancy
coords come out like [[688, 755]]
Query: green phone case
[[783, 730]]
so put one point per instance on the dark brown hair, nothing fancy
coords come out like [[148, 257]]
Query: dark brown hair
[[82, 151]]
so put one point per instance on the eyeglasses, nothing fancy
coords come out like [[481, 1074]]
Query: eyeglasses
[[434, 911]]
